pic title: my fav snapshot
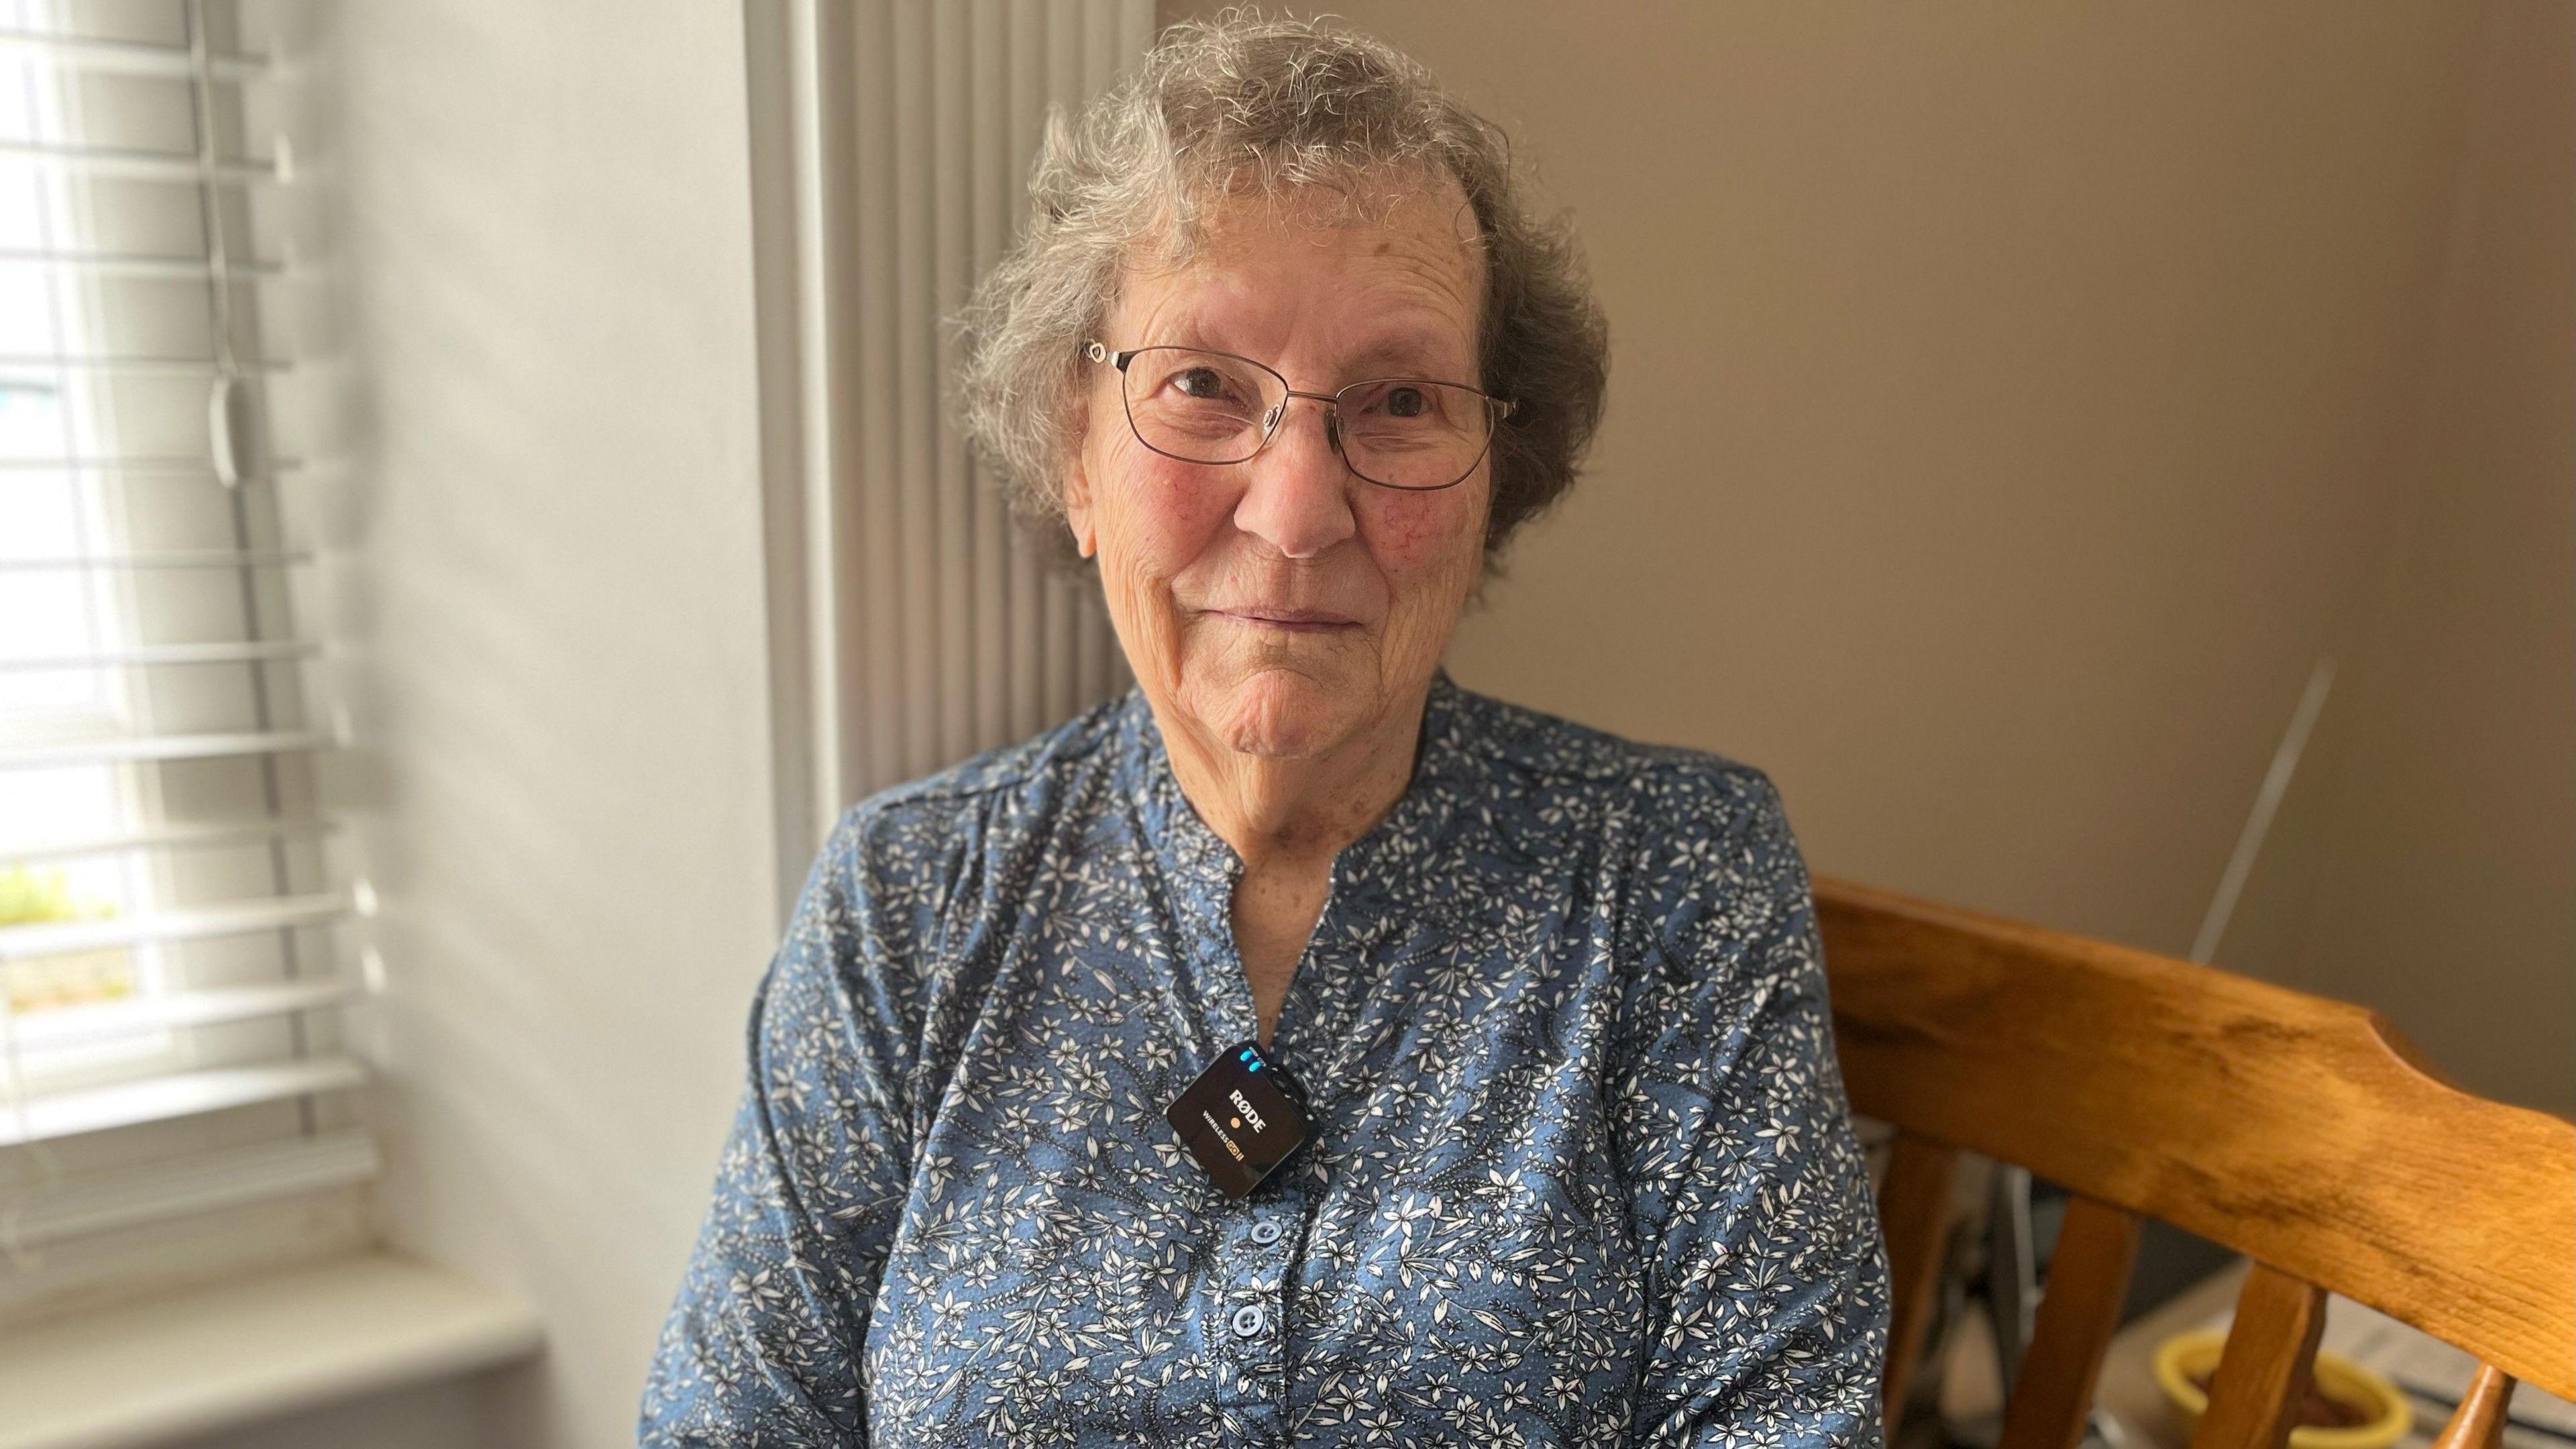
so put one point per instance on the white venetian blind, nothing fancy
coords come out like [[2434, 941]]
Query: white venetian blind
[[913, 622], [173, 946]]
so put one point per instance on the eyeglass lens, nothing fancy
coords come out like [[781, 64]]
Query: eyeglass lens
[[1209, 407]]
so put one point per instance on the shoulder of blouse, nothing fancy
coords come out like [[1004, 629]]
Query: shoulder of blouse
[[898, 821], [1716, 879], [901, 864], [1676, 792], [1713, 900]]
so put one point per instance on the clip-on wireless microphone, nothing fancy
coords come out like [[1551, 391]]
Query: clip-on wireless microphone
[[1241, 1118]]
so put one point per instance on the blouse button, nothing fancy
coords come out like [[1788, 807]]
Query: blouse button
[[1247, 1321], [1265, 1231]]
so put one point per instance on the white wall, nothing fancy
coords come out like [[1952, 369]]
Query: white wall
[[548, 598]]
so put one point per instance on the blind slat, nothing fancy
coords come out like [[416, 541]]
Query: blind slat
[[179, 467], [51, 1116], [130, 57], [211, 558], [242, 651], [185, 835], [145, 749], [149, 366], [198, 1182], [61, 1027], [147, 165], [140, 264], [232, 918]]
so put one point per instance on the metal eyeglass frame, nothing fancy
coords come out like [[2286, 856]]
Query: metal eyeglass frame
[[1332, 401]]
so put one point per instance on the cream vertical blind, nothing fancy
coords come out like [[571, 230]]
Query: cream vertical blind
[[175, 933], [912, 623]]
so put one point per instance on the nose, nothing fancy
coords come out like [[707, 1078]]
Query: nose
[[1297, 498]]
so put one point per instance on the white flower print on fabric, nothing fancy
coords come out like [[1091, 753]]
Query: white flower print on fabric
[[1582, 1173]]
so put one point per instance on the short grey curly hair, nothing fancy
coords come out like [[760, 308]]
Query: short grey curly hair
[[1246, 105]]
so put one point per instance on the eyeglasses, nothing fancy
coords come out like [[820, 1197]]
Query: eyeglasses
[[1215, 407]]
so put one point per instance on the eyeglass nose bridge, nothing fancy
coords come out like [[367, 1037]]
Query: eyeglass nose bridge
[[1278, 414]]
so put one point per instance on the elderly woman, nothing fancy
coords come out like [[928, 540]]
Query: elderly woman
[[1550, 1148]]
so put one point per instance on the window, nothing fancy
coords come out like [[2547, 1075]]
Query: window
[[52, 620], [175, 938]]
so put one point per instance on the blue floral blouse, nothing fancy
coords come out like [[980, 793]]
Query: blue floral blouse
[[1581, 1171]]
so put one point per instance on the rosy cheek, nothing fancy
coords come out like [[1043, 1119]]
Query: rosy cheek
[[1412, 532], [1168, 511]]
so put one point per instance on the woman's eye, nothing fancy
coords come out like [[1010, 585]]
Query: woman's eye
[[1407, 402], [1202, 382]]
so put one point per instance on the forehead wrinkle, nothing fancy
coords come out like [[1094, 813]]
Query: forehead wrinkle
[[1220, 218], [1427, 273], [1398, 353]]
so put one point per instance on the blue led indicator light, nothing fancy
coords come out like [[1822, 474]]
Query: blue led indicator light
[[1256, 1066], [1244, 1055]]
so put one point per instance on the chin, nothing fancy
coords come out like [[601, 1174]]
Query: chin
[[1283, 714]]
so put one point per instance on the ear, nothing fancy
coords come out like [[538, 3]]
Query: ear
[[1077, 510]]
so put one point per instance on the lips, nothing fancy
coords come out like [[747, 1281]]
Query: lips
[[1266, 616]]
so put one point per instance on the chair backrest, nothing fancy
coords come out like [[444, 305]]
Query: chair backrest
[[2304, 1133]]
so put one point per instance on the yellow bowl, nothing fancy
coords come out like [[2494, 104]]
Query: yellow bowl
[[2184, 1355]]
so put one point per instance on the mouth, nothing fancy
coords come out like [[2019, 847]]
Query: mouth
[[1296, 621]]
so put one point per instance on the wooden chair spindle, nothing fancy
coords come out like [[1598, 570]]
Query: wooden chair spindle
[[2479, 1421], [1914, 1212], [2264, 1372], [2088, 1279]]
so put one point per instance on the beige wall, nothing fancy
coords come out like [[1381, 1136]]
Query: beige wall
[[2432, 869], [2011, 403]]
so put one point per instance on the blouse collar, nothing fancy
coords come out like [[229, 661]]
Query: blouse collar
[[1203, 869]]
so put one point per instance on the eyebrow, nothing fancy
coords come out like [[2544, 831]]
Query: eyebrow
[[1392, 356], [1396, 353]]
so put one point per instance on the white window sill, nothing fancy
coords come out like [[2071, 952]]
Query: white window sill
[[242, 1352]]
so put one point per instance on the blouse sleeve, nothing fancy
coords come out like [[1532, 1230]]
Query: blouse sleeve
[[763, 1342], [1766, 1277]]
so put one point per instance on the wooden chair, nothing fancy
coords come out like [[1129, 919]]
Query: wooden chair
[[2303, 1133]]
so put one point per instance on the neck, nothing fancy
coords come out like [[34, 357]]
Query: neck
[[1276, 811]]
